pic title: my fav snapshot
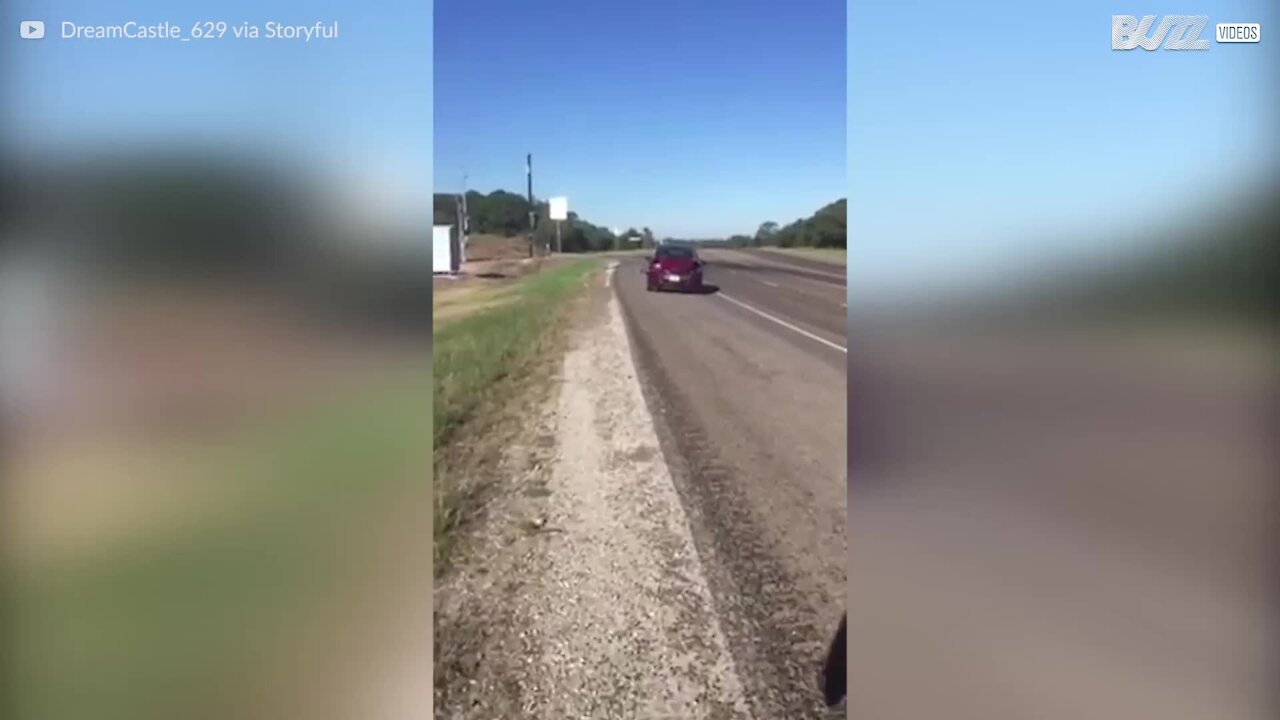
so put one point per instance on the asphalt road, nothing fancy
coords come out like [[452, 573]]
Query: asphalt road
[[1049, 525], [746, 384]]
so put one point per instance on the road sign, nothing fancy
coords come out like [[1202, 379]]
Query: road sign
[[559, 208]]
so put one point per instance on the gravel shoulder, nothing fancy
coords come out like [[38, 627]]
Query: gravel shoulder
[[580, 593]]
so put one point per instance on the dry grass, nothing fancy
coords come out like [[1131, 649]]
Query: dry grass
[[496, 247], [460, 298]]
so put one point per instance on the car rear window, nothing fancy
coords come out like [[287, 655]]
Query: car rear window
[[675, 252]]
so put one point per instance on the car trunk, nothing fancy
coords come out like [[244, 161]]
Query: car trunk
[[678, 266]]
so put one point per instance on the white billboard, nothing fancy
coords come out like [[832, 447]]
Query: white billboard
[[559, 208], [442, 249]]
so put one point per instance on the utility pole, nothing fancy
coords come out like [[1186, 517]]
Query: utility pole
[[533, 210], [455, 241], [466, 219], [465, 228], [462, 214]]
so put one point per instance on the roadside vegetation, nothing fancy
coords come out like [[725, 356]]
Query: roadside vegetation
[[826, 228], [481, 360]]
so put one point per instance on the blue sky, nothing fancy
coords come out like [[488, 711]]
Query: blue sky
[[996, 132], [357, 108], [697, 119], [975, 135]]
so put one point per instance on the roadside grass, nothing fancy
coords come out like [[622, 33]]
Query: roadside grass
[[185, 621], [480, 361], [834, 256]]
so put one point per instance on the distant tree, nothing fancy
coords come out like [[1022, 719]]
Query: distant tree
[[444, 210], [766, 233], [788, 236], [575, 240], [828, 225]]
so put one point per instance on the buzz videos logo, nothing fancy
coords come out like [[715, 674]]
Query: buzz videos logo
[[1176, 32]]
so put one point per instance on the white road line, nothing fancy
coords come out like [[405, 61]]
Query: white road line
[[770, 284], [785, 324], [608, 277]]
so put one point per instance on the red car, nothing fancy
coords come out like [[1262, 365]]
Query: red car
[[674, 266]]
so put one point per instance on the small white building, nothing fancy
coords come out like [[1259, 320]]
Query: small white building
[[447, 249]]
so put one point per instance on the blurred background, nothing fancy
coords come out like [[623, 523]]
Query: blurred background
[[215, 356], [215, 364], [1062, 497]]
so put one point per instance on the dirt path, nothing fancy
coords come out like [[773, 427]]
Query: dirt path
[[581, 594]]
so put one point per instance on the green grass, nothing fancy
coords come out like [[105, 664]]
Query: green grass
[[835, 256], [481, 358], [178, 624]]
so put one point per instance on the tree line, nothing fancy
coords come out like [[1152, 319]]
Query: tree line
[[824, 229], [507, 214]]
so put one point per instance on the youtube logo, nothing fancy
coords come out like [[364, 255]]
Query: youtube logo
[[31, 29]]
